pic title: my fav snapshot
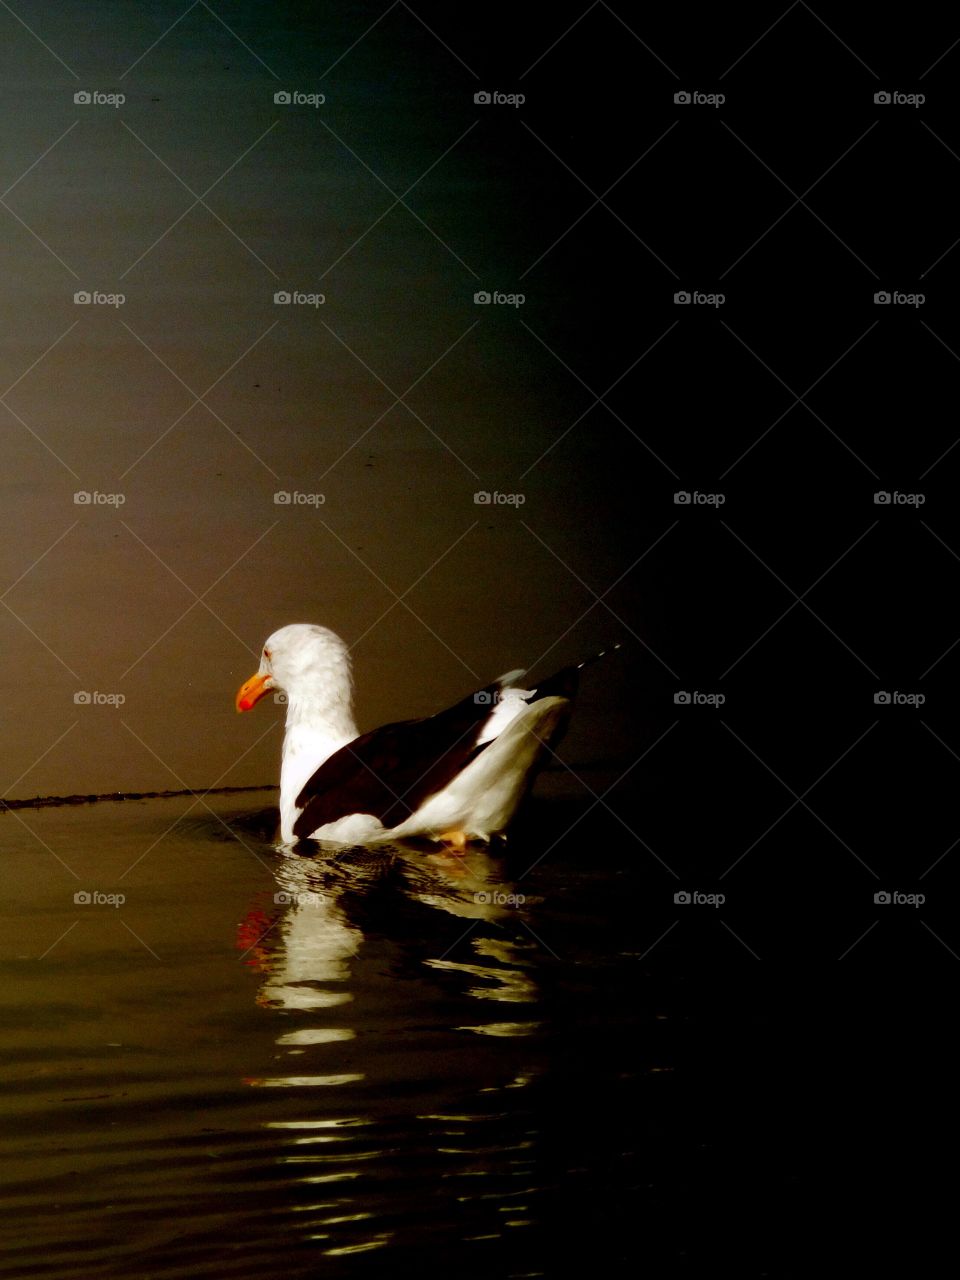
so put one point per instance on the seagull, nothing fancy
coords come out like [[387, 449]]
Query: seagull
[[455, 777]]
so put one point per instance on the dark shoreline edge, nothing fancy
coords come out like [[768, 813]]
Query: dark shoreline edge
[[44, 802]]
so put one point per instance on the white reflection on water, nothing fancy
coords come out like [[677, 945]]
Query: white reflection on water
[[344, 1175], [316, 1035], [322, 1137], [511, 984], [279, 1082], [333, 1158], [518, 1082], [503, 1028], [471, 886], [314, 946], [305, 941], [338, 1122], [483, 1117], [359, 1248]]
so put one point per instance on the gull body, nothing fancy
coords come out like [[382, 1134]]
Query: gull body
[[455, 777]]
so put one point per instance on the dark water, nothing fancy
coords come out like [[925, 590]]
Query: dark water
[[385, 1065], [264, 1063]]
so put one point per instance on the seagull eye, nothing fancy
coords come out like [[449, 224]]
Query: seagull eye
[[266, 654]]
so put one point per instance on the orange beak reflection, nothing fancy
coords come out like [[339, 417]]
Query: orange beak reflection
[[251, 692]]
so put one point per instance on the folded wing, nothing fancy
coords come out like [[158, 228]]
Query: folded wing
[[391, 771]]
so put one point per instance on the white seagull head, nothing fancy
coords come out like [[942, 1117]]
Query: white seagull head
[[310, 664]]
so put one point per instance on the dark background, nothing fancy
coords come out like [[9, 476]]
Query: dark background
[[798, 399]]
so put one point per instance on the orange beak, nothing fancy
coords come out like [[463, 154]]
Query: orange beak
[[251, 692]]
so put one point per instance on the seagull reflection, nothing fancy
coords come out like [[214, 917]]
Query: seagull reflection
[[305, 940], [306, 944], [470, 885], [351, 1062]]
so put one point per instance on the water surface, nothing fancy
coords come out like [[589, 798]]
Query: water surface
[[269, 1063]]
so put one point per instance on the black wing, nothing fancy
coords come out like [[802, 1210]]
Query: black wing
[[391, 771]]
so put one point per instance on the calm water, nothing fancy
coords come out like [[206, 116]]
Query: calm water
[[261, 1063]]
